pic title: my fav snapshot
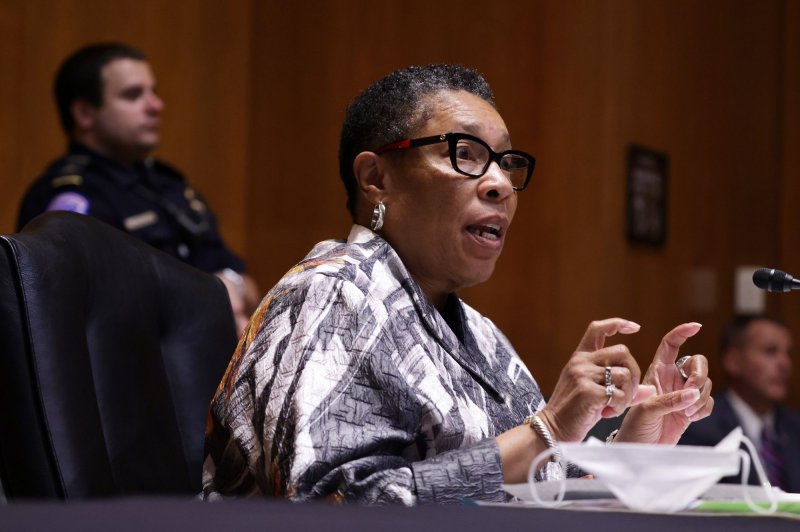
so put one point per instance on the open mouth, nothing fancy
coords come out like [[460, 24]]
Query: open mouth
[[488, 231]]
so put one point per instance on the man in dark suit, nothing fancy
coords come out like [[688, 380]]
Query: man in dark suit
[[756, 359]]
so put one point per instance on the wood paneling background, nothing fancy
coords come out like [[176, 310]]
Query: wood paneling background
[[256, 90]]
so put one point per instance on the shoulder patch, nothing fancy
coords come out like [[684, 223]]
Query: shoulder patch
[[64, 180], [69, 201]]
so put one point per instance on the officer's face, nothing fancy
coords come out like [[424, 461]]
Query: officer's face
[[126, 125]]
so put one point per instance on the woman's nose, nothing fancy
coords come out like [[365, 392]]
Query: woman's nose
[[495, 184]]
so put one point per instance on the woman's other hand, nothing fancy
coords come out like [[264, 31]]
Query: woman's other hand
[[677, 402]]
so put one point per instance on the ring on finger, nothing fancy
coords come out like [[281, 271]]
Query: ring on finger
[[680, 363], [608, 376], [609, 393]]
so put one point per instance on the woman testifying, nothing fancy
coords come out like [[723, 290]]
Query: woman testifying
[[363, 377]]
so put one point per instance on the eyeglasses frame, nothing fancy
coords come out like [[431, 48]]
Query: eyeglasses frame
[[452, 139]]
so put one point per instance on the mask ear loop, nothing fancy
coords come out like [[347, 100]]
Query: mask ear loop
[[549, 465], [762, 478]]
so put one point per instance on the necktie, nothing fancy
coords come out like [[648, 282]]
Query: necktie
[[773, 462]]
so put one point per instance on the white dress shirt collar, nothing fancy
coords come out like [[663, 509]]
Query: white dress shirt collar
[[752, 424]]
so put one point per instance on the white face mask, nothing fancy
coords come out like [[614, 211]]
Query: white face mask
[[661, 478]]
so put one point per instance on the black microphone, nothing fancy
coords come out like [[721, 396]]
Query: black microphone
[[774, 280]]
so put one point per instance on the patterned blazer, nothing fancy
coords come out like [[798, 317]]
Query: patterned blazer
[[349, 384]]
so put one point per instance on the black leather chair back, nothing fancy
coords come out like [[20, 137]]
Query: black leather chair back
[[110, 352]]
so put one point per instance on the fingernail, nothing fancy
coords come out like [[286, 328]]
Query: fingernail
[[696, 417], [695, 323], [690, 395], [630, 327]]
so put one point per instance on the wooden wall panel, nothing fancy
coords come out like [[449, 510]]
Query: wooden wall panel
[[200, 51], [789, 122], [689, 79], [12, 63]]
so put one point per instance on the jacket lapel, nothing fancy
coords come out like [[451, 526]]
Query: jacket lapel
[[467, 356]]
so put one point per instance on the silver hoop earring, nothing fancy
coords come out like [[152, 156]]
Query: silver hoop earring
[[377, 216]]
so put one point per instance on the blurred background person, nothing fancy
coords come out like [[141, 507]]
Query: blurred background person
[[756, 359], [111, 113]]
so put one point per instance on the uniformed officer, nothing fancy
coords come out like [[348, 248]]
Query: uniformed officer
[[109, 109]]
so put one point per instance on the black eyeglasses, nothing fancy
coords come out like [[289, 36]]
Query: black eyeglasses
[[470, 156]]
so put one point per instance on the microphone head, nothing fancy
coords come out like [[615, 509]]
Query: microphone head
[[774, 280], [762, 276]]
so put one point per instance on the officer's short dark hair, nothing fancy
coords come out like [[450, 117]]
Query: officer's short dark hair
[[734, 333], [79, 77], [392, 107]]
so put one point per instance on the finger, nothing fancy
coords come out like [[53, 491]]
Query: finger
[[703, 412], [667, 351], [623, 387], [643, 393], [622, 378], [617, 356], [619, 374], [616, 406], [705, 397], [672, 402], [697, 369], [595, 336]]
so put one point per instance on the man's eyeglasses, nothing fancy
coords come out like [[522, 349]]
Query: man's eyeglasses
[[470, 156]]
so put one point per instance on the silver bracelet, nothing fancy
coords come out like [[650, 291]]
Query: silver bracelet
[[541, 429], [611, 436]]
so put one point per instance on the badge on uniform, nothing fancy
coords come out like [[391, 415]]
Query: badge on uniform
[[138, 221], [194, 201]]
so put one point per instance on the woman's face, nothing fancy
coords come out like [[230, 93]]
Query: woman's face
[[447, 228]]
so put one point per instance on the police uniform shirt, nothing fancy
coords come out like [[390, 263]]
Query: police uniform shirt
[[150, 200]]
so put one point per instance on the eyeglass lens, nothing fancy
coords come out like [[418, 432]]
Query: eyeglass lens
[[473, 158]]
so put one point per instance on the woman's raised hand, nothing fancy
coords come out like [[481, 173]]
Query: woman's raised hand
[[597, 382], [664, 417]]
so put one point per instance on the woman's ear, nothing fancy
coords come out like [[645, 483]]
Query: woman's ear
[[370, 174]]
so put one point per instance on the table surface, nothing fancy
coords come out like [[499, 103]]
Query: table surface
[[171, 514]]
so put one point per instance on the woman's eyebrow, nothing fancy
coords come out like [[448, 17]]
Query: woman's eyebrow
[[474, 128]]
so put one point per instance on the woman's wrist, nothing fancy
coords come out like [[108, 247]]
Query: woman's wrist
[[535, 422]]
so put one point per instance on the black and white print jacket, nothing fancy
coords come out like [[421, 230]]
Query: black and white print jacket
[[348, 384]]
